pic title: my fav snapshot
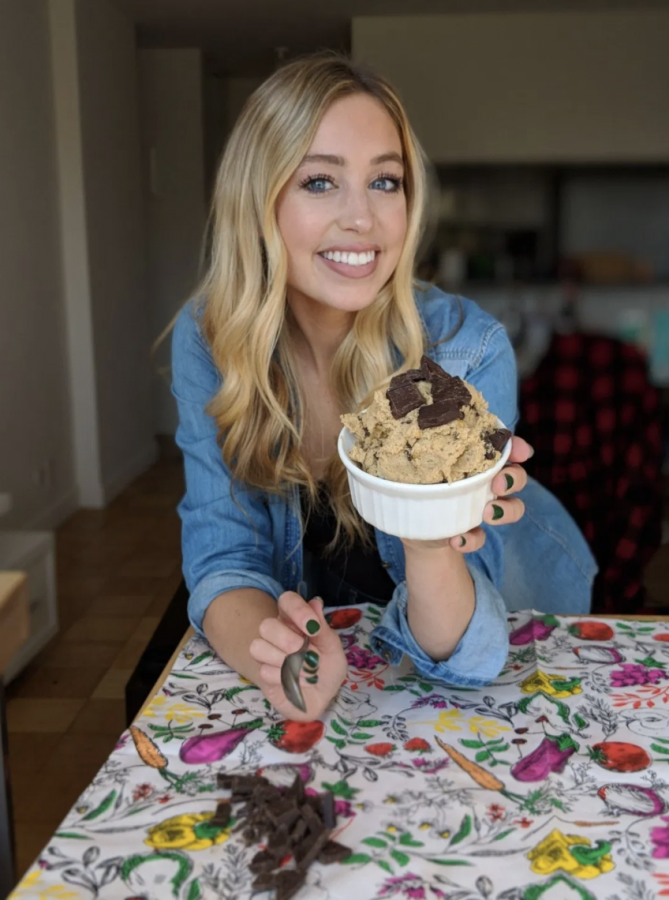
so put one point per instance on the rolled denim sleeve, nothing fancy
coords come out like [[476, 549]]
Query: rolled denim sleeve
[[226, 538], [480, 654]]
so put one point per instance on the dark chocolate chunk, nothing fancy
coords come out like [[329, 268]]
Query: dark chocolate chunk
[[224, 780], [440, 413], [403, 399], [277, 840], [288, 882], [328, 809], [307, 852], [490, 454], [296, 790], [432, 371], [452, 389], [265, 881], [498, 438], [222, 814], [298, 832], [333, 852], [407, 377], [263, 862]]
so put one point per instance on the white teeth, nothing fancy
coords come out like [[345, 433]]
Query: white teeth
[[351, 259]]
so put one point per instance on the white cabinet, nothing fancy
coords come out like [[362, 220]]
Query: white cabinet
[[32, 552]]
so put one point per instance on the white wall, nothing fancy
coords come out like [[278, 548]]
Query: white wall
[[528, 87], [34, 395], [108, 84], [172, 133]]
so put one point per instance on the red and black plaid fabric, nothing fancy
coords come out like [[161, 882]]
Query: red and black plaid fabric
[[595, 422]]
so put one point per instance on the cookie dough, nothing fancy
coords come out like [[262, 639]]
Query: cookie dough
[[427, 428]]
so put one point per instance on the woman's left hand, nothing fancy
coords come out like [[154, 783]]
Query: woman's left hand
[[502, 511]]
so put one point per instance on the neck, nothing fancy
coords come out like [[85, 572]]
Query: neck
[[319, 333]]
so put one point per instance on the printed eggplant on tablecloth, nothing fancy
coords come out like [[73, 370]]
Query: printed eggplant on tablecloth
[[549, 784]]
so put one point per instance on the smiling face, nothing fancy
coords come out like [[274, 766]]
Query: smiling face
[[343, 215]]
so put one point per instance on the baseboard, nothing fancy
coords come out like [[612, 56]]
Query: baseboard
[[54, 515], [127, 473]]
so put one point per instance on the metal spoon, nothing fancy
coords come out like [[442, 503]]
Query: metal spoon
[[292, 666]]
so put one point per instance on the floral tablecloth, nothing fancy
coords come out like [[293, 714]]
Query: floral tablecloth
[[551, 783]]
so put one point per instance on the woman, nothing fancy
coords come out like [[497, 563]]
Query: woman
[[309, 305]]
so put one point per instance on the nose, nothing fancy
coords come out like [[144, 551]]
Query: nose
[[356, 213]]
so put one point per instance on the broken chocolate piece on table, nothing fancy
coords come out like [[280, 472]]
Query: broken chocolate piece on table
[[403, 399], [222, 814], [498, 438], [440, 413], [289, 821]]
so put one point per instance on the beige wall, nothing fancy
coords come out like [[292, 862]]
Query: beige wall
[[519, 87], [34, 395], [172, 134], [108, 84]]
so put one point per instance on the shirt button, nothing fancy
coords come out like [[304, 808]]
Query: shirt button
[[386, 565], [387, 655]]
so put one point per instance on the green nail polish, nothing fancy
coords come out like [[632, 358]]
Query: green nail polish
[[310, 670], [312, 680], [498, 512], [313, 626], [509, 482], [463, 541], [311, 657]]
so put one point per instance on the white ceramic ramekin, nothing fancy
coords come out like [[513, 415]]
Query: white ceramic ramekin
[[423, 512]]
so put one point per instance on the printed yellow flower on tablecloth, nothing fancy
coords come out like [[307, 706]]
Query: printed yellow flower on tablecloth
[[486, 727], [180, 713], [554, 685], [448, 720], [572, 854], [187, 832]]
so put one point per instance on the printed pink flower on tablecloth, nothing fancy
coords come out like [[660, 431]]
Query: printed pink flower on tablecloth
[[660, 837], [430, 766], [436, 701], [362, 659], [408, 885], [142, 792]]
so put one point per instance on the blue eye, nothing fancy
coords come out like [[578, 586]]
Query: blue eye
[[315, 185], [392, 183]]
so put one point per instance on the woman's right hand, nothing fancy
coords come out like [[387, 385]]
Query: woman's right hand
[[284, 634]]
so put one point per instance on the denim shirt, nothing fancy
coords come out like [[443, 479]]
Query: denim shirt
[[253, 541]]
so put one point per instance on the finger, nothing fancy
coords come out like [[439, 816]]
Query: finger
[[521, 451], [509, 481], [281, 635], [271, 675], [504, 512], [308, 619], [264, 652], [469, 542]]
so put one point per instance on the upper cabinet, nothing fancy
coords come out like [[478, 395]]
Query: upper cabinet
[[528, 87]]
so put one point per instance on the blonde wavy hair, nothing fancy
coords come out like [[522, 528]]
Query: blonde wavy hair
[[246, 321]]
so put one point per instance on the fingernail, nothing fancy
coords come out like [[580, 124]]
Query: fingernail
[[463, 541], [313, 626], [312, 680], [509, 482], [311, 657], [498, 512], [531, 451]]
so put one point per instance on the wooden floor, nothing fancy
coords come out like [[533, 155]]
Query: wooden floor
[[117, 570]]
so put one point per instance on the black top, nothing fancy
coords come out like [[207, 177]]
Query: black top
[[357, 567]]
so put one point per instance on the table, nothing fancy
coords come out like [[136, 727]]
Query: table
[[549, 784], [14, 630]]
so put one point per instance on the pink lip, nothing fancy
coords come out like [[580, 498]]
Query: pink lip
[[351, 271]]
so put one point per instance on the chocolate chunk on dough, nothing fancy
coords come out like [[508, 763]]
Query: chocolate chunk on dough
[[498, 438], [451, 389], [407, 377], [403, 399], [440, 413]]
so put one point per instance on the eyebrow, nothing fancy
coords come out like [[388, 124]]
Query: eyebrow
[[392, 156]]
